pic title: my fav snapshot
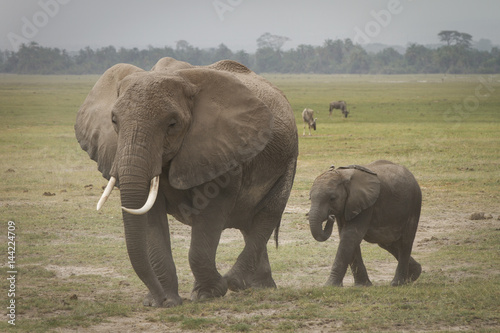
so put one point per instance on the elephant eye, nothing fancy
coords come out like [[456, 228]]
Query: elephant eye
[[172, 123], [113, 119]]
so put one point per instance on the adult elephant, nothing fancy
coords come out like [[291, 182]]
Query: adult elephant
[[379, 202], [216, 147]]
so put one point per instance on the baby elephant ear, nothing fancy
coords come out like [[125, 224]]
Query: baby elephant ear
[[363, 191], [230, 125], [94, 128]]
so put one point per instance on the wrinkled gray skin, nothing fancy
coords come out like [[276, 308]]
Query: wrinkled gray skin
[[379, 203], [309, 120], [339, 105], [223, 141]]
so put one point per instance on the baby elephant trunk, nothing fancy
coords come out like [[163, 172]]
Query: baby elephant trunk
[[316, 224]]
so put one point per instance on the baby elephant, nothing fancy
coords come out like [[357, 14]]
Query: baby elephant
[[380, 203]]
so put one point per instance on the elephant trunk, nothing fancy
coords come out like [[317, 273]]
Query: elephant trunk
[[153, 192], [135, 177], [138, 168], [316, 219]]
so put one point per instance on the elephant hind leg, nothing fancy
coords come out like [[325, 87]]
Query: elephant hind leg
[[252, 268], [408, 269], [415, 269]]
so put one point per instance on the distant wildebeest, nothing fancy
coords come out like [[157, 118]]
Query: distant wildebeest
[[339, 105], [308, 117]]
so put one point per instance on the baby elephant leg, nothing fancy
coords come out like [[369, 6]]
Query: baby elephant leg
[[359, 270], [408, 269]]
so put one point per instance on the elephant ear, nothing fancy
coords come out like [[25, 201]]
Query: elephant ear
[[230, 125], [363, 189], [94, 129]]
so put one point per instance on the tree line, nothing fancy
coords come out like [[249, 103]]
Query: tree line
[[455, 56]]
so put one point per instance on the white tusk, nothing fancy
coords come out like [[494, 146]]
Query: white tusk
[[106, 193], [153, 192]]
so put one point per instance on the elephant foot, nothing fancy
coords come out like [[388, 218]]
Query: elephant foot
[[200, 293], [398, 282], [150, 300], [168, 302], [366, 283], [415, 271], [333, 283], [238, 282]]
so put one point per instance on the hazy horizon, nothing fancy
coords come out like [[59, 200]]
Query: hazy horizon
[[76, 24]]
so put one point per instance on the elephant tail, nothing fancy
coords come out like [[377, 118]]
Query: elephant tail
[[276, 234]]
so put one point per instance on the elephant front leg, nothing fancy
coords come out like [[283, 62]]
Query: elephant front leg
[[136, 240], [204, 242], [359, 270], [160, 256], [339, 268], [350, 239]]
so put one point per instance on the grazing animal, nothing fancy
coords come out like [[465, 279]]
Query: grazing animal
[[308, 117], [339, 105], [380, 203]]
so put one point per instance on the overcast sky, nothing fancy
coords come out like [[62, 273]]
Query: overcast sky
[[75, 24]]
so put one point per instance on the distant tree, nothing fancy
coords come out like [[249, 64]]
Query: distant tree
[[331, 55], [419, 59], [243, 58], [456, 56], [267, 60], [186, 52], [182, 45], [35, 59], [274, 42], [464, 39], [303, 59], [223, 52], [387, 61], [3, 58], [483, 45], [452, 37], [334, 56], [447, 36], [358, 61]]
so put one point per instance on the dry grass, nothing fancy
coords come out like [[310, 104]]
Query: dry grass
[[74, 273]]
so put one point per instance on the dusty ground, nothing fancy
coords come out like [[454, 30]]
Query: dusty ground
[[432, 234]]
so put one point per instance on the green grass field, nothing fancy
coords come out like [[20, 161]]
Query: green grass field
[[74, 273]]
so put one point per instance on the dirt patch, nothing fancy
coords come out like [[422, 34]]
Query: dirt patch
[[64, 272], [128, 324]]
